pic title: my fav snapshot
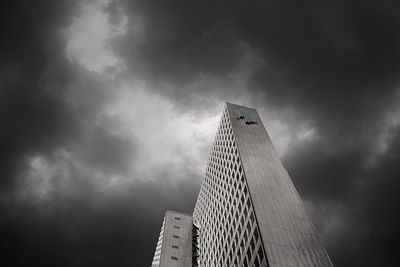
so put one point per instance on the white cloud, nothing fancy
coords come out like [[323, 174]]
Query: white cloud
[[285, 131], [62, 173], [381, 143], [89, 37], [280, 135], [38, 181], [166, 139]]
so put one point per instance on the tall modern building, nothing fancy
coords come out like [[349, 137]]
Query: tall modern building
[[248, 212]]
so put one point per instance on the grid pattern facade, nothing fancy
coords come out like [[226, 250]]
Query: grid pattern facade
[[229, 233], [248, 212]]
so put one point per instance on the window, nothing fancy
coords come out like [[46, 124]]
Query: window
[[174, 258], [260, 253], [252, 217], [256, 234], [176, 227], [175, 246], [177, 218], [175, 236], [249, 254], [245, 236], [252, 243]]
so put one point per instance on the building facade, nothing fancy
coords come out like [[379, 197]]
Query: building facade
[[248, 212], [174, 246]]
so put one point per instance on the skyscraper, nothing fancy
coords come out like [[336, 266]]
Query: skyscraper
[[248, 212]]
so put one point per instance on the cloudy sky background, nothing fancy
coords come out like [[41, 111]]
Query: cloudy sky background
[[108, 110]]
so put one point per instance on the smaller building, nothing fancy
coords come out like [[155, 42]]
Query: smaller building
[[174, 246]]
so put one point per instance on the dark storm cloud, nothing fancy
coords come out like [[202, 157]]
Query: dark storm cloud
[[192, 46], [309, 53], [334, 65], [48, 104], [69, 191], [174, 30], [116, 230], [323, 49], [31, 117], [368, 223], [380, 196]]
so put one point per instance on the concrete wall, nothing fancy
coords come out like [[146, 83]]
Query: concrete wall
[[287, 232], [176, 248]]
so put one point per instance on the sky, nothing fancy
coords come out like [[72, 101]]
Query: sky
[[108, 110]]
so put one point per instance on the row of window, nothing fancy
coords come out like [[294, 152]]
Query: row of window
[[176, 236]]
